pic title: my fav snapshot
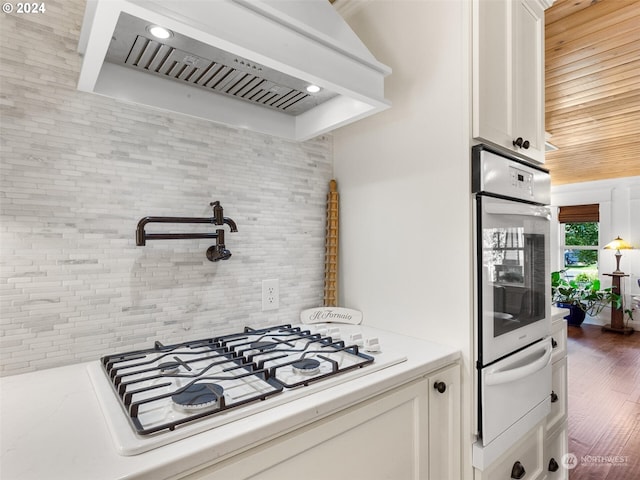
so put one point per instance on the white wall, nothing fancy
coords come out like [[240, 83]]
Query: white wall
[[404, 179], [80, 170], [619, 201], [403, 176]]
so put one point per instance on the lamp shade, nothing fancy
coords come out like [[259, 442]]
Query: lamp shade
[[618, 244]]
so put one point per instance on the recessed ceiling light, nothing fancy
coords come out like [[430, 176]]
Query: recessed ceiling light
[[159, 32], [313, 89]]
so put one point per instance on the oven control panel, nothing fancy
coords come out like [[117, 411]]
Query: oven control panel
[[508, 177], [521, 181]]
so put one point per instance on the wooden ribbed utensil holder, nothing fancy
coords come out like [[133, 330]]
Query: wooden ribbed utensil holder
[[331, 248]]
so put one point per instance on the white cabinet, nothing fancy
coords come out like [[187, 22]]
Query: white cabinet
[[508, 75], [554, 451], [558, 395], [556, 433], [412, 432], [522, 461], [537, 456], [444, 424]]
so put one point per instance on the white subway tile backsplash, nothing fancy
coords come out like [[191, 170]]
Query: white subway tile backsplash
[[77, 173]]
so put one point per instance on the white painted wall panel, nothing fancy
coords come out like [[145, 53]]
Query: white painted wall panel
[[404, 182], [404, 176]]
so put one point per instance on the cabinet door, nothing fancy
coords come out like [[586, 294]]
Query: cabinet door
[[508, 68], [528, 77], [385, 437], [492, 79], [559, 394], [558, 340], [444, 424]]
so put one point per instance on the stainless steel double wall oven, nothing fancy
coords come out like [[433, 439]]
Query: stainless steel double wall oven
[[513, 315]]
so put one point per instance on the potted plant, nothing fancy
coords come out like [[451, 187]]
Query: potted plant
[[581, 296]]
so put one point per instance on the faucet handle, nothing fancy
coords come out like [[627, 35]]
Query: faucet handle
[[218, 215]]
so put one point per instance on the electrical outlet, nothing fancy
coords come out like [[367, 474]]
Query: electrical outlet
[[270, 295]]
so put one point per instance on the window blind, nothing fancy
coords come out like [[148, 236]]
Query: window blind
[[579, 213]]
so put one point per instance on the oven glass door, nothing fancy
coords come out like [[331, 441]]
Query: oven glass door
[[514, 284]]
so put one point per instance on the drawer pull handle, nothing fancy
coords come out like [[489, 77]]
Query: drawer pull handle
[[498, 377], [553, 465], [518, 471], [554, 397], [440, 386]]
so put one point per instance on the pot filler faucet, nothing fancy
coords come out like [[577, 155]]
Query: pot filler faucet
[[214, 253]]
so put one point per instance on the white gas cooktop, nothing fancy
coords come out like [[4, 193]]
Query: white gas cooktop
[[159, 396]]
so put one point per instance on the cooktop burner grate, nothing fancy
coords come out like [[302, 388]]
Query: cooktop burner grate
[[164, 387]]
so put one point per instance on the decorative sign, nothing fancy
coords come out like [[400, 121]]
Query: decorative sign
[[331, 315]]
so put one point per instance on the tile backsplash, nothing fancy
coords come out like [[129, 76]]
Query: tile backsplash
[[79, 171]]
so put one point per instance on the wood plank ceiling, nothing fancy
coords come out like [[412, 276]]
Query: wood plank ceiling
[[592, 75]]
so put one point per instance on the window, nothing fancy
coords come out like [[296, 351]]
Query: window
[[579, 240]]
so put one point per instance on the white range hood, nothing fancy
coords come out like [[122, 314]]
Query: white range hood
[[244, 63]]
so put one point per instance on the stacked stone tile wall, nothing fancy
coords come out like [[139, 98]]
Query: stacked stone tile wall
[[77, 173]]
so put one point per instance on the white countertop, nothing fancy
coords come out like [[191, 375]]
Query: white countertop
[[52, 427], [558, 313]]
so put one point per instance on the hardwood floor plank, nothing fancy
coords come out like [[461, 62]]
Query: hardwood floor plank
[[629, 467], [603, 404]]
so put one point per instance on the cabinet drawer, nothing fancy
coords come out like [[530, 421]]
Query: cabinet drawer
[[559, 394], [558, 340], [555, 449], [525, 456]]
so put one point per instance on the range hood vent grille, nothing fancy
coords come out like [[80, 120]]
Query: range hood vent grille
[[244, 63], [164, 60]]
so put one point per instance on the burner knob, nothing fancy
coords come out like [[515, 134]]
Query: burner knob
[[372, 344], [356, 339], [334, 333]]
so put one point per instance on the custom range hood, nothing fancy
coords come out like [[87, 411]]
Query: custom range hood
[[251, 64]]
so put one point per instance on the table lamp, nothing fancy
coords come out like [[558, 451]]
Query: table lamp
[[617, 245], [617, 315]]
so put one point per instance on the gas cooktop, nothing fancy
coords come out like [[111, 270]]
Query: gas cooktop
[[168, 392]]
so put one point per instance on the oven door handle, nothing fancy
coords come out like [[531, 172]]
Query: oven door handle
[[507, 376], [517, 208]]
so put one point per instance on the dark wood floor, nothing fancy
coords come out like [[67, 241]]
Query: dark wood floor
[[604, 404]]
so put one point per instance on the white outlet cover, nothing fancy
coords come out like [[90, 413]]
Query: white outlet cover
[[270, 295]]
